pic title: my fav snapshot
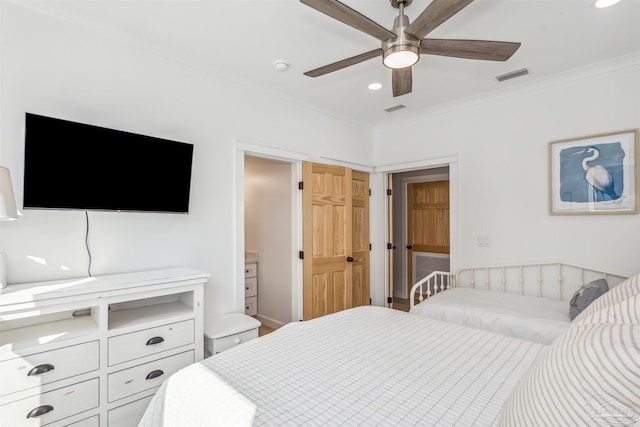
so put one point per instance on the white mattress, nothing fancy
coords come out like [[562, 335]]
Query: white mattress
[[531, 318], [365, 366]]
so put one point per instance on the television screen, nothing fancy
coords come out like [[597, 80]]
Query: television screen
[[71, 165]]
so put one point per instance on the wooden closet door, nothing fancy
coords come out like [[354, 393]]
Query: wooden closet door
[[327, 239], [427, 221], [360, 238]]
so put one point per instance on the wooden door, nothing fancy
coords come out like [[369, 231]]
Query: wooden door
[[427, 220], [326, 239], [360, 238]]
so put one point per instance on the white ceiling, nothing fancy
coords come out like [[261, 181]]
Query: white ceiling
[[241, 39]]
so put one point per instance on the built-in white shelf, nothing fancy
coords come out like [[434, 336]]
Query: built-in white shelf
[[136, 317]]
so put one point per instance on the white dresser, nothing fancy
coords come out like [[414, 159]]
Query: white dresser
[[251, 284], [93, 351]]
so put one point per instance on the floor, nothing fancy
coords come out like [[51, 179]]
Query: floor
[[264, 330]]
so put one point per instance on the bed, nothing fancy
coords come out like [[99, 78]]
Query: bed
[[373, 366], [363, 366], [529, 301]]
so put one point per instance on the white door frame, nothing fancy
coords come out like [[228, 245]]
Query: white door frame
[[380, 292], [246, 147]]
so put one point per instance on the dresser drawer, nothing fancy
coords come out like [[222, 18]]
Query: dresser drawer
[[225, 343], [87, 422], [251, 287], [37, 369], [251, 306], [148, 375], [128, 415], [250, 270], [54, 405], [149, 341]]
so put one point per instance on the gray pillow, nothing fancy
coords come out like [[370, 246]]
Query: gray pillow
[[586, 295]]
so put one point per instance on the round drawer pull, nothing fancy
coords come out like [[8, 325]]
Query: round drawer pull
[[41, 369], [40, 410], [155, 340], [237, 340], [154, 374]]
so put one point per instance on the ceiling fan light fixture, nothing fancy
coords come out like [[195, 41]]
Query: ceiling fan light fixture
[[402, 56]]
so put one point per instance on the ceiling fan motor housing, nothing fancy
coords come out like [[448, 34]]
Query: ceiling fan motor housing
[[403, 42]]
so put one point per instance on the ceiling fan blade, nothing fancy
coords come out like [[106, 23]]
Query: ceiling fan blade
[[346, 15], [434, 15], [401, 81], [344, 63], [470, 49]]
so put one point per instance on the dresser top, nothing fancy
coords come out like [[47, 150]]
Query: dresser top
[[40, 291]]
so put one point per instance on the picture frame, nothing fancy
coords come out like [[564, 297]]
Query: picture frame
[[594, 174]]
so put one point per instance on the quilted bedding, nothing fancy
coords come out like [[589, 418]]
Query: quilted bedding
[[365, 366]]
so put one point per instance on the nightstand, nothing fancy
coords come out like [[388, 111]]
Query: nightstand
[[229, 330]]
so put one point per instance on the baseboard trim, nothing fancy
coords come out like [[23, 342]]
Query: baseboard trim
[[267, 321]]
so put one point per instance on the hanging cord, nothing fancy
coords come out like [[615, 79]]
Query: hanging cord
[[86, 242]]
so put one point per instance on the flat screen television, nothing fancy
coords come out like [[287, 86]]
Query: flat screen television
[[71, 165]]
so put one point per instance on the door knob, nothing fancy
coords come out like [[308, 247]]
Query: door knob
[[349, 259], [409, 247]]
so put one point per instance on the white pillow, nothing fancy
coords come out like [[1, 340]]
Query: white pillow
[[579, 381], [617, 294], [625, 311]]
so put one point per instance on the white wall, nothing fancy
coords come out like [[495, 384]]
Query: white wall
[[502, 144], [268, 232], [56, 68]]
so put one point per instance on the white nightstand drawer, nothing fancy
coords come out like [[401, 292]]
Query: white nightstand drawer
[[128, 415], [225, 343], [37, 369], [148, 375], [250, 270], [52, 406], [251, 287], [251, 306], [149, 341]]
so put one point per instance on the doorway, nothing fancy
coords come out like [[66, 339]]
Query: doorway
[[420, 228], [268, 210]]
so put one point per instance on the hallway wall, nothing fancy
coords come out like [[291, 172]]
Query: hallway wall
[[268, 232]]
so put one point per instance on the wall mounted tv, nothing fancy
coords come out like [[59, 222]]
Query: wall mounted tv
[[71, 165]]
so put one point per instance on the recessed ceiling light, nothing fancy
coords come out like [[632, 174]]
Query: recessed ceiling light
[[281, 65], [600, 4], [375, 86]]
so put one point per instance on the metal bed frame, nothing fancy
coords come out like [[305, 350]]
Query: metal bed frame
[[555, 280]]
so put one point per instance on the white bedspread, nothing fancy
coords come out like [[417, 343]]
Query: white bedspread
[[365, 366], [531, 318]]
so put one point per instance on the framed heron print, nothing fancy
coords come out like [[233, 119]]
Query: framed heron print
[[596, 174]]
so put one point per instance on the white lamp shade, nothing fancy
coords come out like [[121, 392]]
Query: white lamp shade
[[8, 210], [601, 4]]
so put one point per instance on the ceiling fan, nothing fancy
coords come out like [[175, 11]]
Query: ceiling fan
[[403, 44]]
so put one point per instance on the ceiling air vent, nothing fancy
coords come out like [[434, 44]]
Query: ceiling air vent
[[395, 108], [512, 75]]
